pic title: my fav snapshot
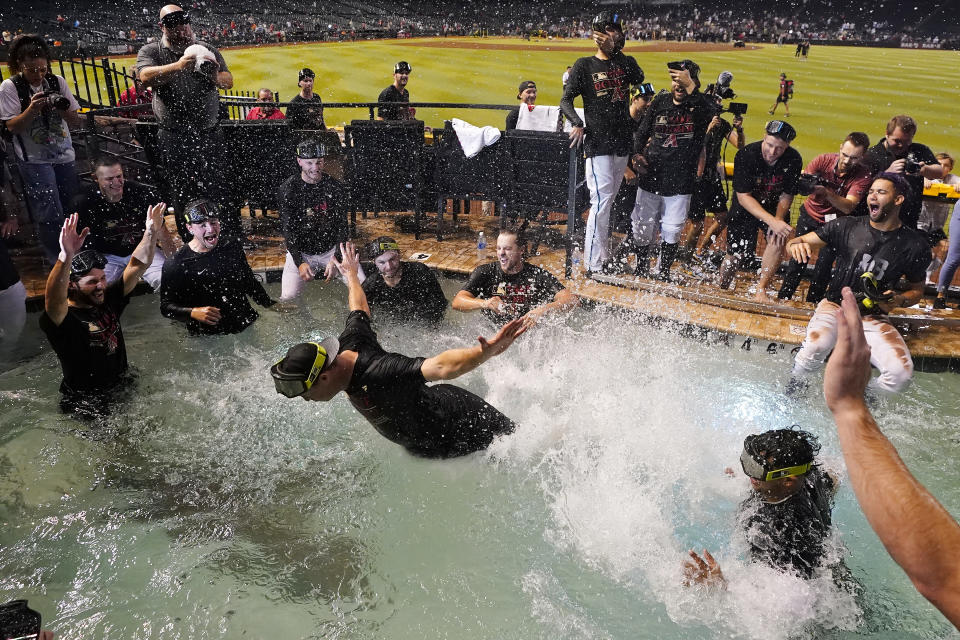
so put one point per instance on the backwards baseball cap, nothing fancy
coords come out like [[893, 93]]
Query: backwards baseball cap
[[692, 67], [526, 84], [305, 73], [778, 453], [299, 369], [85, 262], [199, 211], [782, 130], [309, 149], [382, 245], [402, 67], [606, 19]]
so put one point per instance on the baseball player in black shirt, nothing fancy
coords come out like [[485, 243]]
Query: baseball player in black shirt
[[603, 81], [407, 291], [397, 92], [389, 389], [873, 253], [669, 147]]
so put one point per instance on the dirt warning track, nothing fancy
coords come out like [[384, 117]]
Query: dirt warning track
[[632, 47]]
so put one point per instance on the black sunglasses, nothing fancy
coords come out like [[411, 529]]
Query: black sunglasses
[[175, 19]]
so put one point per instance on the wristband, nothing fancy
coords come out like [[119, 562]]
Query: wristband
[[62, 257]]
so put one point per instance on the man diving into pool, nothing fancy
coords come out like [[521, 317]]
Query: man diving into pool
[[389, 389]]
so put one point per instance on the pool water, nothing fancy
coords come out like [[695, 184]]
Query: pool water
[[211, 507]]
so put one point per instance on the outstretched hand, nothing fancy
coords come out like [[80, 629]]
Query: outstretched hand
[[349, 262], [504, 338], [70, 241], [848, 369], [155, 217], [705, 571]]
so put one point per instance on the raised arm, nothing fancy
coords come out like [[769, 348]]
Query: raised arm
[[55, 294], [142, 256], [920, 535], [455, 362], [349, 267]]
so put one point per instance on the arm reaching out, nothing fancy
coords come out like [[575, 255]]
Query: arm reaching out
[[349, 267], [920, 535], [55, 295], [455, 362]]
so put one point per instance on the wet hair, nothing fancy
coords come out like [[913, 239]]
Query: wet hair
[[26, 46], [900, 184], [903, 122], [859, 139], [105, 161], [788, 447], [519, 231]]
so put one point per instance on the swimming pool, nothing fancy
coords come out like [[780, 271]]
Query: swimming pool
[[214, 508]]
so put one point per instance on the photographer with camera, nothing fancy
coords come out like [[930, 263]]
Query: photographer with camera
[[873, 253], [185, 75], [834, 184], [38, 111], [898, 153]]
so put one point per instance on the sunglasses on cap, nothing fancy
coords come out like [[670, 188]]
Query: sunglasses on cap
[[759, 471], [200, 212], [294, 385], [388, 246], [85, 262], [782, 130], [175, 19]]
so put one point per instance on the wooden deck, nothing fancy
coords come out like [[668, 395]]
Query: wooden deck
[[700, 308]]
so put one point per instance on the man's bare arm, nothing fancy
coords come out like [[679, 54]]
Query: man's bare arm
[[455, 362]]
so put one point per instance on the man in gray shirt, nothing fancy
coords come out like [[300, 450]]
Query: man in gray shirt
[[185, 75]]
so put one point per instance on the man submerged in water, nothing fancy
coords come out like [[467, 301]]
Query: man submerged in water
[[389, 389], [787, 517]]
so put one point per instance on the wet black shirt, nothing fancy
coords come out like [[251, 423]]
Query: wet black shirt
[[220, 278], [765, 183], [392, 94], [604, 86], [89, 343], [670, 137], [305, 113], [314, 216], [861, 248], [116, 228], [389, 390], [8, 272], [529, 288], [417, 296], [790, 535], [878, 159], [713, 142]]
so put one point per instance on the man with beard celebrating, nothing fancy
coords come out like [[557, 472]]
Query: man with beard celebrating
[[207, 282], [82, 316], [872, 254], [397, 92]]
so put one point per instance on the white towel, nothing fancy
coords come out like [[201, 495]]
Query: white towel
[[566, 123], [472, 138], [202, 53], [538, 118]]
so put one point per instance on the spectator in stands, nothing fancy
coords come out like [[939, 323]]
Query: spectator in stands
[[898, 153], [786, 92], [603, 81], [112, 209], [765, 176], [396, 93], [133, 95], [527, 95], [511, 287], [313, 211], [842, 182], [39, 111], [669, 148], [306, 108], [266, 108], [873, 253], [187, 108], [934, 214], [207, 282], [81, 316], [403, 290], [13, 295]]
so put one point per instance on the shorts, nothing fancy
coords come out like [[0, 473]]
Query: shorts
[[708, 195], [934, 237], [470, 424], [783, 99], [742, 234]]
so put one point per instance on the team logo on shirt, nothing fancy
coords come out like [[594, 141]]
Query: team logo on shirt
[[104, 331], [668, 130], [610, 83]]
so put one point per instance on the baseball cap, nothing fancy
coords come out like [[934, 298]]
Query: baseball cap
[[200, 210], [381, 245], [526, 84], [305, 73], [310, 149], [304, 362], [606, 19], [85, 262], [781, 129], [402, 67]]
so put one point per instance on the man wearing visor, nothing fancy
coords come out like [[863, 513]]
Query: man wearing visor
[[185, 75], [207, 282], [389, 389], [402, 290], [81, 316], [396, 93], [787, 516], [313, 212]]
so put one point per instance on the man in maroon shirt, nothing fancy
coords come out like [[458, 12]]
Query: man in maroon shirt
[[842, 182], [266, 108]]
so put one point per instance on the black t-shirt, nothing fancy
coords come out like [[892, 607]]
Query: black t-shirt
[[861, 248], [878, 159], [314, 216], [221, 278], [389, 390], [116, 228], [512, 117], [305, 113], [417, 296], [529, 288], [392, 94], [89, 343], [751, 174], [604, 86], [8, 272], [670, 137], [790, 535], [713, 141]]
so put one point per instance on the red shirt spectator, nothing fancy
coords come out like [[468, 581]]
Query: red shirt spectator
[[267, 109], [130, 97]]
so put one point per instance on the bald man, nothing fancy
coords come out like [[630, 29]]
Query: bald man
[[185, 74]]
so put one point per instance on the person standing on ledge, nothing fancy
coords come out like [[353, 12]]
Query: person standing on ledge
[[389, 389], [306, 108], [404, 290], [397, 93]]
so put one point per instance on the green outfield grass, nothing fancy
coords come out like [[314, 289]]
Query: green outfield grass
[[838, 90]]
